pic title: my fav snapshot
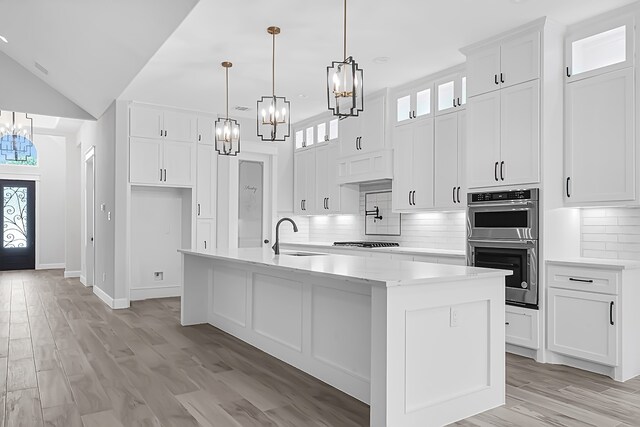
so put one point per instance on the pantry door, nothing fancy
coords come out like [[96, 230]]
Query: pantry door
[[18, 248]]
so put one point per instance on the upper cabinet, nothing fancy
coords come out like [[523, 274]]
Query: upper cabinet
[[365, 133], [317, 130], [451, 93], [510, 62], [414, 102], [205, 128], [153, 122], [599, 49], [600, 148]]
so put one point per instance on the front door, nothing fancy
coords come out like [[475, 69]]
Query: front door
[[18, 248]]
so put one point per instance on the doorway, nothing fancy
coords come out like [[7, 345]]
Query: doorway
[[18, 248], [89, 236]]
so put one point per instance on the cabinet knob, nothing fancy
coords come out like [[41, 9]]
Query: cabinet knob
[[266, 241]]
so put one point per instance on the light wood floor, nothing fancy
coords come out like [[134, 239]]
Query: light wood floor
[[67, 360]]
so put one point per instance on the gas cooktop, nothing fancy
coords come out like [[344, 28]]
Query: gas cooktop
[[367, 244]]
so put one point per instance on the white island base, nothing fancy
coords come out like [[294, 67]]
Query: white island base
[[422, 344]]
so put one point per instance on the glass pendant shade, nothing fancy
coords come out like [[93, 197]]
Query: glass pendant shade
[[345, 94], [273, 118], [273, 111], [16, 135], [227, 131]]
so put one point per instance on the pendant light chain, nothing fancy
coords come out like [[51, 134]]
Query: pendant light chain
[[227, 85], [273, 66]]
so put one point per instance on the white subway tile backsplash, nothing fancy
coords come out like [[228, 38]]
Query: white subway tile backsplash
[[610, 233]]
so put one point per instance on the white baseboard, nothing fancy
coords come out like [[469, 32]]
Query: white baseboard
[[113, 303], [57, 266], [137, 294], [69, 274], [83, 280]]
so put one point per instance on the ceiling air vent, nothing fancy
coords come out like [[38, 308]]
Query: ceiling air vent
[[41, 68], [241, 108]]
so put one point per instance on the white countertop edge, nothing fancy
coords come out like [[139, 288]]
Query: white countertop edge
[[392, 249], [487, 273], [613, 264]]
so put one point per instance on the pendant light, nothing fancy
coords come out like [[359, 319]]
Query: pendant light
[[345, 97], [273, 111], [16, 136], [227, 131]]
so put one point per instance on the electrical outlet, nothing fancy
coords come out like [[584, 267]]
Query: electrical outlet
[[104, 277], [102, 207], [454, 317], [158, 276], [108, 216]]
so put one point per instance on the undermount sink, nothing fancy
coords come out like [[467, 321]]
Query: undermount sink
[[301, 253]]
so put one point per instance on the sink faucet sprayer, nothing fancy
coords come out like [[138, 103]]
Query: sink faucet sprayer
[[276, 245]]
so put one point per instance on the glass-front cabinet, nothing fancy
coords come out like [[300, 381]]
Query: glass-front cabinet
[[451, 93], [315, 131], [599, 49], [413, 103]]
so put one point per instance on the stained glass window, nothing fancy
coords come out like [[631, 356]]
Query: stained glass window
[[17, 151], [14, 210]]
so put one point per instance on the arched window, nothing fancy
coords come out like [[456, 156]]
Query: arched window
[[17, 150]]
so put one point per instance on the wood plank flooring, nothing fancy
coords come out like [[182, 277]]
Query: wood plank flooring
[[67, 360]]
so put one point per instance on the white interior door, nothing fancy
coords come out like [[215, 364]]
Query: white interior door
[[90, 217], [255, 200]]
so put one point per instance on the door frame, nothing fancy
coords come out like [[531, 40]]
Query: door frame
[[36, 179], [89, 157]]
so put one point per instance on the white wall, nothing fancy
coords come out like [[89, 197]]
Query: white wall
[[73, 209]]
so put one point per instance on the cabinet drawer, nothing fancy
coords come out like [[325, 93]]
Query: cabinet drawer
[[521, 327], [583, 279]]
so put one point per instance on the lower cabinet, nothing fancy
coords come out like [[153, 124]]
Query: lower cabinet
[[584, 325], [592, 316], [205, 235], [521, 327]]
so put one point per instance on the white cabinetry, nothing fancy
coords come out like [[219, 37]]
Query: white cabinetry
[[154, 122], [155, 161], [304, 184], [521, 327], [205, 235], [450, 133], [205, 182], [413, 166], [592, 316], [451, 93], [503, 140], [205, 128], [600, 119], [365, 152], [332, 198], [515, 60]]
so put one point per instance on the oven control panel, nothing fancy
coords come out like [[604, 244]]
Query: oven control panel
[[497, 196]]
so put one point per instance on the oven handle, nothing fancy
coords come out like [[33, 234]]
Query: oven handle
[[502, 242], [501, 205]]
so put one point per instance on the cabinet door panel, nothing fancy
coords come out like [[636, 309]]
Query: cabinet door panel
[[483, 140], [206, 172], [179, 162], [350, 130], [304, 186], [205, 241], [446, 160], [322, 172], [180, 126], [300, 183], [520, 59], [333, 189], [599, 138], [520, 133], [145, 161], [423, 164], [373, 121], [205, 130], [402, 166], [580, 325], [482, 68], [145, 122]]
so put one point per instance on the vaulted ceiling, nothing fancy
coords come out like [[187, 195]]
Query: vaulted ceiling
[[94, 51]]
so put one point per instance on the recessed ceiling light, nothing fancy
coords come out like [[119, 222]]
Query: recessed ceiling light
[[241, 108], [4, 39], [381, 59]]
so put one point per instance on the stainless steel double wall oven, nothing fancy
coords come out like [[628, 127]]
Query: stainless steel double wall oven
[[502, 232]]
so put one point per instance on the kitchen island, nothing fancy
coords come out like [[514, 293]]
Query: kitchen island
[[422, 344]]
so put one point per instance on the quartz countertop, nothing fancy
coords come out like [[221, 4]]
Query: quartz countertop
[[618, 264], [381, 272], [390, 249]]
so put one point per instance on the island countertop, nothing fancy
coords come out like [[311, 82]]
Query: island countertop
[[380, 272]]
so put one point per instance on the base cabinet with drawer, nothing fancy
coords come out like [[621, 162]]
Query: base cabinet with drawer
[[592, 318]]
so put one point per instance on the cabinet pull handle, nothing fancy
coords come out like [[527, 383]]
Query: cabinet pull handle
[[327, 203], [414, 197], [160, 174], [200, 139], [453, 194], [459, 103], [506, 323], [458, 194], [568, 73], [501, 78], [160, 132], [502, 170], [301, 208], [165, 175], [611, 313], [410, 115], [495, 171], [495, 79], [581, 280], [304, 205], [409, 198], [165, 133], [198, 209], [357, 143], [205, 244], [454, 103], [568, 180]]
